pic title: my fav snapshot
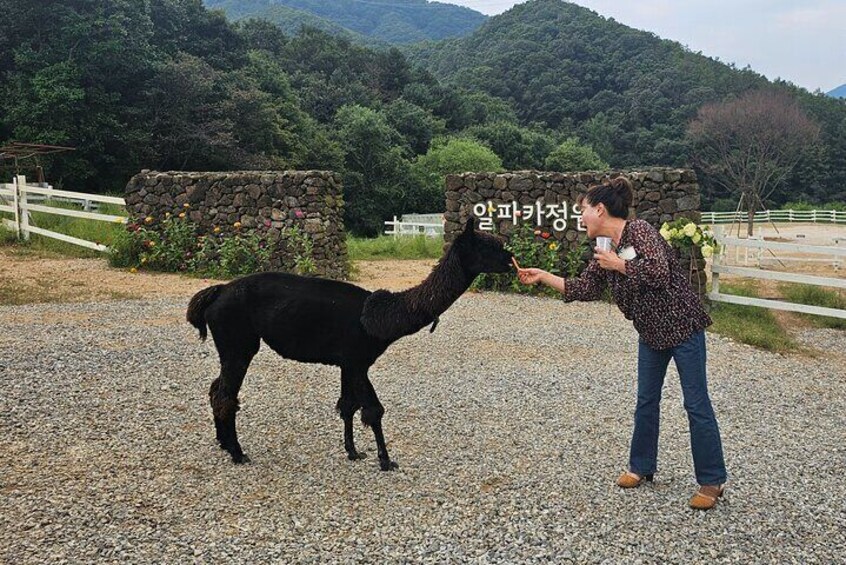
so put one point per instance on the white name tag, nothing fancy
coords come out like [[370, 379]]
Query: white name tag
[[627, 253]]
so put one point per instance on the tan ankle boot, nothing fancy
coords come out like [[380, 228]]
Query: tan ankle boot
[[706, 497], [632, 480]]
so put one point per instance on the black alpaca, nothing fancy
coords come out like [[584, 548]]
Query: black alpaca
[[334, 323]]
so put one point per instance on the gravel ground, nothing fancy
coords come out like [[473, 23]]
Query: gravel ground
[[510, 424]]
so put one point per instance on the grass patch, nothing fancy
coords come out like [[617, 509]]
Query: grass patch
[[96, 231], [16, 293], [816, 296], [7, 236], [749, 324], [390, 247], [359, 249]]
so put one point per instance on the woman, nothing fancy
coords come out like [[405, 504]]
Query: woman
[[651, 289]]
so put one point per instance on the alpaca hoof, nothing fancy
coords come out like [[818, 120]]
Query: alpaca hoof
[[388, 465], [240, 459], [356, 456]]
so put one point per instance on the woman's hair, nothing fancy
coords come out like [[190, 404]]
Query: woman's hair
[[616, 194]]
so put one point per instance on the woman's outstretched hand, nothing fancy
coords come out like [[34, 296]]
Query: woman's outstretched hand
[[535, 276], [530, 276]]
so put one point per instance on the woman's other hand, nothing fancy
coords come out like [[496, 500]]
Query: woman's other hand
[[609, 260]]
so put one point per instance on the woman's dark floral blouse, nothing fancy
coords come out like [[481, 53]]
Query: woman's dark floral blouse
[[654, 293]]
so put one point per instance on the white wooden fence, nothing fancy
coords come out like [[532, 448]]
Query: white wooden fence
[[431, 225], [717, 268], [814, 216], [16, 198]]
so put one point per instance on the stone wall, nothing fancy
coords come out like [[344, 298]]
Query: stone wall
[[660, 195], [268, 201]]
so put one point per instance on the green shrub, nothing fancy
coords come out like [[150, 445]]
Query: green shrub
[[232, 255], [684, 234], [576, 258], [175, 246], [301, 246], [126, 248]]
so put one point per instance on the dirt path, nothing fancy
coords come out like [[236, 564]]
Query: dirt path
[[392, 275], [28, 279], [32, 278]]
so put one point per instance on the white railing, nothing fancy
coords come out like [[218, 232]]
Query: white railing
[[86, 204], [423, 218], [814, 216], [431, 225], [717, 268], [16, 198]]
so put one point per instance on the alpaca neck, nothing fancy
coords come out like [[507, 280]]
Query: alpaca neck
[[431, 298], [390, 316]]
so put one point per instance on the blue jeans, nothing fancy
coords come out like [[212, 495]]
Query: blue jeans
[[705, 441]]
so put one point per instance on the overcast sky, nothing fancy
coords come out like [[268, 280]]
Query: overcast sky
[[802, 41]]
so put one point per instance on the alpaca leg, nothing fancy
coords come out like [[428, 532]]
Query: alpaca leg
[[371, 415], [224, 403], [236, 346], [218, 428], [347, 406], [349, 443]]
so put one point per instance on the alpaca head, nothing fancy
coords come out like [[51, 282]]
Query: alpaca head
[[481, 252]]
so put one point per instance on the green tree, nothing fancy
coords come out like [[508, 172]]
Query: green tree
[[375, 173], [269, 124], [457, 155], [76, 83], [481, 108], [602, 132], [448, 156], [392, 72], [572, 156], [519, 147], [750, 145], [187, 26], [190, 125], [417, 126]]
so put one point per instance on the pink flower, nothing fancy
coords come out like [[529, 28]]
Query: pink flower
[[298, 213]]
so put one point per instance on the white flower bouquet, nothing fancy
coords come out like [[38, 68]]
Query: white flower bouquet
[[685, 234]]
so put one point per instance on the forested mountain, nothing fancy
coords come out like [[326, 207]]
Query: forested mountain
[[289, 20], [627, 92], [391, 21]]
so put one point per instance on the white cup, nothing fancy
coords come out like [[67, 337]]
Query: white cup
[[603, 243]]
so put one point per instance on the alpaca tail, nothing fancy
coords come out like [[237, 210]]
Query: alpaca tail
[[196, 314]]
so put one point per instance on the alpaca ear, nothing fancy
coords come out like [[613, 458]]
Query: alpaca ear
[[470, 226]]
